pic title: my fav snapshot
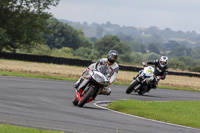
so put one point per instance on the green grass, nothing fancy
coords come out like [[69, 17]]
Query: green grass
[[34, 76], [180, 88], [164, 87], [75, 79], [5, 128], [183, 112], [178, 112]]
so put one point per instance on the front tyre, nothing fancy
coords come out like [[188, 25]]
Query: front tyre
[[75, 101], [86, 96], [131, 87]]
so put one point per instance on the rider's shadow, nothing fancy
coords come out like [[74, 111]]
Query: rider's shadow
[[146, 95]]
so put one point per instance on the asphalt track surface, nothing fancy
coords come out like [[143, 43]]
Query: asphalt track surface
[[47, 104]]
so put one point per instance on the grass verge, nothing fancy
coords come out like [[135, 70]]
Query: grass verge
[[177, 112], [183, 113], [164, 87], [75, 79], [34, 76], [5, 128]]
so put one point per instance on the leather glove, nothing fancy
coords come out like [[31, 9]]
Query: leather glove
[[144, 64], [157, 77]]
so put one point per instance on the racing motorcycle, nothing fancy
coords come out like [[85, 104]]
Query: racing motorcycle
[[94, 81], [142, 83]]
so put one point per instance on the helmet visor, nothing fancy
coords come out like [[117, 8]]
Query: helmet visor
[[163, 63], [112, 58]]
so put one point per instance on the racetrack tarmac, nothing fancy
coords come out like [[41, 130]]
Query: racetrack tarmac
[[47, 104]]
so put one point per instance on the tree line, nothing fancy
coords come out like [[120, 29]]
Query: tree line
[[142, 35], [26, 27]]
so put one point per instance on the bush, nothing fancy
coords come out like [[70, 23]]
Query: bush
[[151, 56], [126, 58], [194, 69], [177, 64]]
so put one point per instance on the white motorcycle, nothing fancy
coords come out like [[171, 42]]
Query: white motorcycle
[[142, 83], [94, 81]]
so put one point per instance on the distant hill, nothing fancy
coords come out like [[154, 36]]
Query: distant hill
[[142, 35]]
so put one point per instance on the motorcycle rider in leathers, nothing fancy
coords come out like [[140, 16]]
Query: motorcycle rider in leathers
[[110, 62], [161, 69]]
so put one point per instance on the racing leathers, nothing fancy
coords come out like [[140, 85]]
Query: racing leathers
[[160, 72], [113, 70]]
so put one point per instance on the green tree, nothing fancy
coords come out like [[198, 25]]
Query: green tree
[[170, 45], [151, 56], [41, 50], [111, 43], [87, 53], [153, 48], [196, 54], [181, 50], [137, 57], [22, 22], [99, 32], [194, 69], [63, 52], [64, 35], [177, 64], [188, 60], [126, 58], [138, 47]]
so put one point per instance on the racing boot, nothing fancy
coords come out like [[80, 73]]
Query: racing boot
[[105, 91]]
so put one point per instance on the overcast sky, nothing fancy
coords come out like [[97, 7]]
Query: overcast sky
[[175, 14]]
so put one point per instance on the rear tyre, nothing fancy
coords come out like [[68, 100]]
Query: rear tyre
[[131, 87], [143, 90], [86, 96]]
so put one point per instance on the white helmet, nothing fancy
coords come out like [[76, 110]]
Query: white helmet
[[163, 61]]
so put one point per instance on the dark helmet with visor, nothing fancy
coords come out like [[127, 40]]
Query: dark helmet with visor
[[112, 56]]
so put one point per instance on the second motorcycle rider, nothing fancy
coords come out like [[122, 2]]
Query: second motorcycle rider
[[161, 69]]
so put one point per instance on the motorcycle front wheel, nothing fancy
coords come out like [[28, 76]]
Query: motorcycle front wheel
[[75, 101], [86, 96], [131, 87]]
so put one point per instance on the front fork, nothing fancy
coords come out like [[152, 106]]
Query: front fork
[[138, 79], [83, 84], [137, 87]]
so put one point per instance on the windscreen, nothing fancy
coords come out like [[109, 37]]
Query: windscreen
[[103, 69]]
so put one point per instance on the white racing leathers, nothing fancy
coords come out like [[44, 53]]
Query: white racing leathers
[[113, 70]]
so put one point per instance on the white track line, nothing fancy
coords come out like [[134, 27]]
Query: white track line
[[101, 102]]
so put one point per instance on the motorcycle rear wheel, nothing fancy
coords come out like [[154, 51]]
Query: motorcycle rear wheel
[[142, 91], [86, 96], [131, 87]]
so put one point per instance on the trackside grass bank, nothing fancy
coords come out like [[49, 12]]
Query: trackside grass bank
[[4, 128], [184, 113], [17, 74], [75, 72]]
